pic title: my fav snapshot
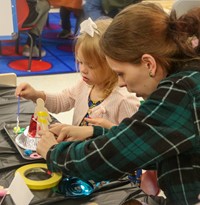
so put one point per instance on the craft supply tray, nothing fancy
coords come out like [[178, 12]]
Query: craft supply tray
[[8, 127]]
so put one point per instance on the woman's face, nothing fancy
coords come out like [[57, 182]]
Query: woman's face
[[135, 77]]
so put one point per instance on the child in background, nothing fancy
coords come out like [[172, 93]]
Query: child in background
[[65, 16], [97, 95], [38, 14]]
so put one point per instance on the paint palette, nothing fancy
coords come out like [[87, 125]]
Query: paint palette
[[8, 127], [25, 141]]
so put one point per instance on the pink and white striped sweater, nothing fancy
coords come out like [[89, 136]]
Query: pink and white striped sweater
[[117, 106]]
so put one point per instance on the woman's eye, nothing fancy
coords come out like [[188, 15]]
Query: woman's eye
[[90, 66]]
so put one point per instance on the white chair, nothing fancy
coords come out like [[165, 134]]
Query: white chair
[[8, 79], [182, 6]]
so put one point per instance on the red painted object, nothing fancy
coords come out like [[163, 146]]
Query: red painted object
[[32, 131]]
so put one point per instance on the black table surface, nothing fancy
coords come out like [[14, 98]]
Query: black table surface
[[11, 160]]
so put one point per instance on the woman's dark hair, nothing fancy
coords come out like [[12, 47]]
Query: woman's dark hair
[[147, 28]]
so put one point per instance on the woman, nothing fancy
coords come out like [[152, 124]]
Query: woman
[[156, 56]]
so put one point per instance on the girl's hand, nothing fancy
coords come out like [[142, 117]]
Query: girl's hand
[[56, 128], [100, 122], [26, 91]]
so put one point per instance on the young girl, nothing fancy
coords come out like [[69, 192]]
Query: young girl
[[97, 95]]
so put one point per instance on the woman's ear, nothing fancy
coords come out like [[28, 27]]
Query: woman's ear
[[150, 63]]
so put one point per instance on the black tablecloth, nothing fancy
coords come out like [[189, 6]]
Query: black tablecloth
[[10, 160]]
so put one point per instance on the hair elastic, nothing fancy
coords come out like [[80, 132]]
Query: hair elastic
[[89, 26]]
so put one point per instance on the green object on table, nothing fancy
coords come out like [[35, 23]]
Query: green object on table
[[21, 130]]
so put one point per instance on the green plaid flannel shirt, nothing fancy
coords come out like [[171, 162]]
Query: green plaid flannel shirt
[[164, 134]]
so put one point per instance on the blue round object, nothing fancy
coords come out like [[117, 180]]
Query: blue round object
[[27, 152], [75, 187]]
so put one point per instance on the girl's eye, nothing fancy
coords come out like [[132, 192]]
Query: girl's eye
[[79, 62], [120, 74]]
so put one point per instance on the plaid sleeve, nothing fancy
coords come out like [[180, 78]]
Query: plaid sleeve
[[164, 131], [99, 131], [139, 141]]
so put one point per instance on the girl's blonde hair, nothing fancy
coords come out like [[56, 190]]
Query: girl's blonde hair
[[92, 53]]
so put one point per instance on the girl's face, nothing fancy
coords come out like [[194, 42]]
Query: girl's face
[[91, 74], [135, 77]]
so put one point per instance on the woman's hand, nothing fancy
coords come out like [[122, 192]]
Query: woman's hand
[[26, 91], [63, 133], [56, 128], [71, 133], [45, 143], [100, 122]]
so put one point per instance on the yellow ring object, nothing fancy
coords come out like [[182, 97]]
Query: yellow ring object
[[42, 184]]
